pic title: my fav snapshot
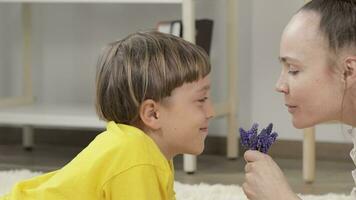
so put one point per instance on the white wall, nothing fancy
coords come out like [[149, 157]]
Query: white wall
[[218, 53], [67, 39], [10, 50]]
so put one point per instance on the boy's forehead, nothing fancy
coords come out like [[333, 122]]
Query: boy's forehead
[[204, 88], [203, 83], [200, 85]]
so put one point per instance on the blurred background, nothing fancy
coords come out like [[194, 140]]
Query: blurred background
[[66, 41]]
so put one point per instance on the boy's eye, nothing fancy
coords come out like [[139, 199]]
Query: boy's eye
[[203, 99]]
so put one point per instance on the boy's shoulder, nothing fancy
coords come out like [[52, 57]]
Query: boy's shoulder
[[122, 135], [126, 143]]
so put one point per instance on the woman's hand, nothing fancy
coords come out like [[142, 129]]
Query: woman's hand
[[264, 180]]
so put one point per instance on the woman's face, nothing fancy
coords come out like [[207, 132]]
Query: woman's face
[[311, 82]]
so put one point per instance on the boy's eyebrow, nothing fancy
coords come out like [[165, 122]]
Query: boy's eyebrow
[[206, 87]]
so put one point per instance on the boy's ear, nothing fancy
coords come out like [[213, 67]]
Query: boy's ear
[[149, 114], [350, 70]]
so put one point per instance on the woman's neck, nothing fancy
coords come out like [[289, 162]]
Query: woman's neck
[[349, 108]]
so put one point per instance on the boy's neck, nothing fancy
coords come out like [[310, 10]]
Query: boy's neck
[[157, 136]]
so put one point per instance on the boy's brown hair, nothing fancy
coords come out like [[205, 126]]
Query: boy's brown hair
[[144, 65]]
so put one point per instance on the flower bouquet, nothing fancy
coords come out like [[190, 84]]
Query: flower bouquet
[[262, 141]]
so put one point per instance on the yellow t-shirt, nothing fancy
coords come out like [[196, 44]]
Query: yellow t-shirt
[[121, 163]]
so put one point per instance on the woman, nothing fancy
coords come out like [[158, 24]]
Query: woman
[[318, 81]]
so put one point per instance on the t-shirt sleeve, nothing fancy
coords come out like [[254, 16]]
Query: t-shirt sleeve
[[137, 183]]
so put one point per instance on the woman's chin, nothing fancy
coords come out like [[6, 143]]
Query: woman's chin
[[301, 125]]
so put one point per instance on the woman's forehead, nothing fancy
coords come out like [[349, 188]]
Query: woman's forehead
[[301, 41]]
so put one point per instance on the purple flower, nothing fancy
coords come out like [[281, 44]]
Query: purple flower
[[248, 136], [261, 142]]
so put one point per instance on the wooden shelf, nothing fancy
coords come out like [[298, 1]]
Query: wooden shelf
[[70, 116], [96, 1]]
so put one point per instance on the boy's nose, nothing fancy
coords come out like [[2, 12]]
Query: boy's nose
[[210, 110]]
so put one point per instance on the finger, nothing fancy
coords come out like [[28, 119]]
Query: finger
[[253, 155], [247, 190], [250, 178], [248, 167]]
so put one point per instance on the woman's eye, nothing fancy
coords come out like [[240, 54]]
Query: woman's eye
[[293, 72]]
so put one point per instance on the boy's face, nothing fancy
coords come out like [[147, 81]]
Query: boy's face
[[184, 118]]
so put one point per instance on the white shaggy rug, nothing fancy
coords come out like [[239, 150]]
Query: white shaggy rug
[[183, 191]]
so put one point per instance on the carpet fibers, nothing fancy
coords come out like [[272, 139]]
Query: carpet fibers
[[183, 191]]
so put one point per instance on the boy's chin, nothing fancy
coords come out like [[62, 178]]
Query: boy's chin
[[197, 152]]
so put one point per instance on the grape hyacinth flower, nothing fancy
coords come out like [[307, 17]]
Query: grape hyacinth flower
[[261, 142]]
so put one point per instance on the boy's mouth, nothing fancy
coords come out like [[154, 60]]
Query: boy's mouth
[[205, 129]]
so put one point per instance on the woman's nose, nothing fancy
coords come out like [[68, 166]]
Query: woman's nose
[[282, 86]]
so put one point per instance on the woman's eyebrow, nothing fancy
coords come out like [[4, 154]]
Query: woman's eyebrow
[[286, 59]]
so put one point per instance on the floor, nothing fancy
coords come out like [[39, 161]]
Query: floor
[[332, 176]]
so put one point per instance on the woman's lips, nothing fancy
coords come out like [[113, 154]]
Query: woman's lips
[[291, 108]]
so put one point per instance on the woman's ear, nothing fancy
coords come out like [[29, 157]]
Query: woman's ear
[[149, 114], [350, 70]]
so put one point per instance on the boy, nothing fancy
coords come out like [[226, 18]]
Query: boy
[[153, 90]]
